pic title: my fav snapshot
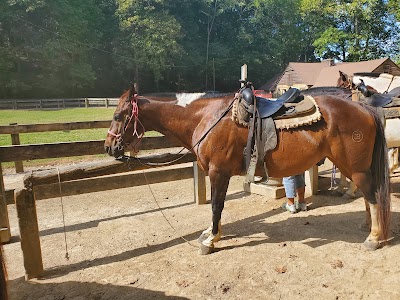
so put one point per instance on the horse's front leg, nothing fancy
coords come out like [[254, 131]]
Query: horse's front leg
[[219, 187]]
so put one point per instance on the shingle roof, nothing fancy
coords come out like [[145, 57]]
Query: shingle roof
[[308, 72], [328, 76], [323, 74], [270, 85]]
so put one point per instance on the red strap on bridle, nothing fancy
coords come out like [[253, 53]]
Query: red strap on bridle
[[135, 117]]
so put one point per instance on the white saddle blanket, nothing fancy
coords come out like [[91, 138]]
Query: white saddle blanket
[[383, 83]]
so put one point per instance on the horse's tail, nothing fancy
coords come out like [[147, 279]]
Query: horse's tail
[[381, 176], [3, 277]]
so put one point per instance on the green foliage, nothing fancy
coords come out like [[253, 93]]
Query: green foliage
[[357, 30], [66, 48]]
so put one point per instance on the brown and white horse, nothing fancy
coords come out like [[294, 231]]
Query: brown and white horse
[[349, 134]]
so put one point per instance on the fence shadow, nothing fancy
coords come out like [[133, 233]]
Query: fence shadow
[[19, 289]]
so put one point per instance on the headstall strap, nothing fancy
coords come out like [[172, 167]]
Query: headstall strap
[[134, 115]]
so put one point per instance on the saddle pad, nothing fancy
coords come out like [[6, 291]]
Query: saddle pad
[[392, 112], [395, 103], [313, 115], [296, 109]]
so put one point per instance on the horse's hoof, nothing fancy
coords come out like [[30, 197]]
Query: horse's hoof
[[203, 237], [371, 245], [204, 250]]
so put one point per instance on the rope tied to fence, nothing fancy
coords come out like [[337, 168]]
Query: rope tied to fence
[[63, 215]]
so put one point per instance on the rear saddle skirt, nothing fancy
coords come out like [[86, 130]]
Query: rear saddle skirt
[[291, 110]]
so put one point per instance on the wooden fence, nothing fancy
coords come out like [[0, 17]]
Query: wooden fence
[[57, 103], [78, 179]]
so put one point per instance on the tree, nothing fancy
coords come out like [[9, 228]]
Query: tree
[[152, 37], [49, 46], [356, 30]]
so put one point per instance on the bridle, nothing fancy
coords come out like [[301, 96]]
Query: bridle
[[134, 119]]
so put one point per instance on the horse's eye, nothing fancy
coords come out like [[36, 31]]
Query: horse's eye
[[117, 117]]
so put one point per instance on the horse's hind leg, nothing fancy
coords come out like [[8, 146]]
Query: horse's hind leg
[[367, 224], [219, 187], [365, 183]]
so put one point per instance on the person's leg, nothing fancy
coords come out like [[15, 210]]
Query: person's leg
[[290, 190], [301, 189]]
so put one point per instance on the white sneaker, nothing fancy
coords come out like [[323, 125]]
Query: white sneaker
[[301, 206], [289, 207]]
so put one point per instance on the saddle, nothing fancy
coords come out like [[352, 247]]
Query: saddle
[[376, 99], [290, 104], [261, 115]]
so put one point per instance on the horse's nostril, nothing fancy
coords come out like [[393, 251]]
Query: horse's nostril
[[107, 149]]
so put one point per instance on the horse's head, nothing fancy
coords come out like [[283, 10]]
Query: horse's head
[[345, 81], [126, 130]]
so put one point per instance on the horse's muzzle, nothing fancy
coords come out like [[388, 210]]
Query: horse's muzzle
[[114, 150]]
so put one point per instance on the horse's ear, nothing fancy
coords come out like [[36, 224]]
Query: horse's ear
[[343, 76], [132, 90]]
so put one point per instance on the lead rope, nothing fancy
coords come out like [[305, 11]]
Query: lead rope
[[333, 177], [162, 212], [63, 215]]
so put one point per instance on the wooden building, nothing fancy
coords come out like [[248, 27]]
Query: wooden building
[[325, 73]]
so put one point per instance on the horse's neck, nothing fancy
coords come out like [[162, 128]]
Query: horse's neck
[[170, 119]]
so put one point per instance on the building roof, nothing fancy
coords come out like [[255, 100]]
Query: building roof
[[308, 72], [328, 76], [325, 73], [270, 85]]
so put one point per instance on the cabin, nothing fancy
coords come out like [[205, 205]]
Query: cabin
[[324, 73]]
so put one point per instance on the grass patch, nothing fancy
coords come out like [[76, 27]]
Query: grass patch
[[57, 116]]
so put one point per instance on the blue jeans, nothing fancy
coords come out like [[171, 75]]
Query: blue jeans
[[292, 183]]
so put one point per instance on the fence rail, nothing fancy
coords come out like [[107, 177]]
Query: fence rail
[[80, 178], [57, 103]]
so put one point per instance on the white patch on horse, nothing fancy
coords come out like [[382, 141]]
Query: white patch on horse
[[185, 99]]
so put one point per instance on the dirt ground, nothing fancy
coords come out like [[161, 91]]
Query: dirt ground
[[121, 246]]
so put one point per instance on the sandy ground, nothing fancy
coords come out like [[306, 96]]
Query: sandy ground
[[122, 246]]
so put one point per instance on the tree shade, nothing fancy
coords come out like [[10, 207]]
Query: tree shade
[[74, 48]]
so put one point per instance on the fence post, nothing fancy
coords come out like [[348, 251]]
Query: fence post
[[5, 233], [19, 167], [86, 103], [199, 177], [29, 233], [106, 103]]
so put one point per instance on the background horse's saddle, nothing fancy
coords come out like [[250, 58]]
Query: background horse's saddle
[[376, 99]]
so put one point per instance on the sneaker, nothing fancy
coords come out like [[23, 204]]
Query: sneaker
[[289, 207], [301, 206]]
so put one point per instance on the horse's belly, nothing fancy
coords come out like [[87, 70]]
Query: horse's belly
[[392, 132]]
